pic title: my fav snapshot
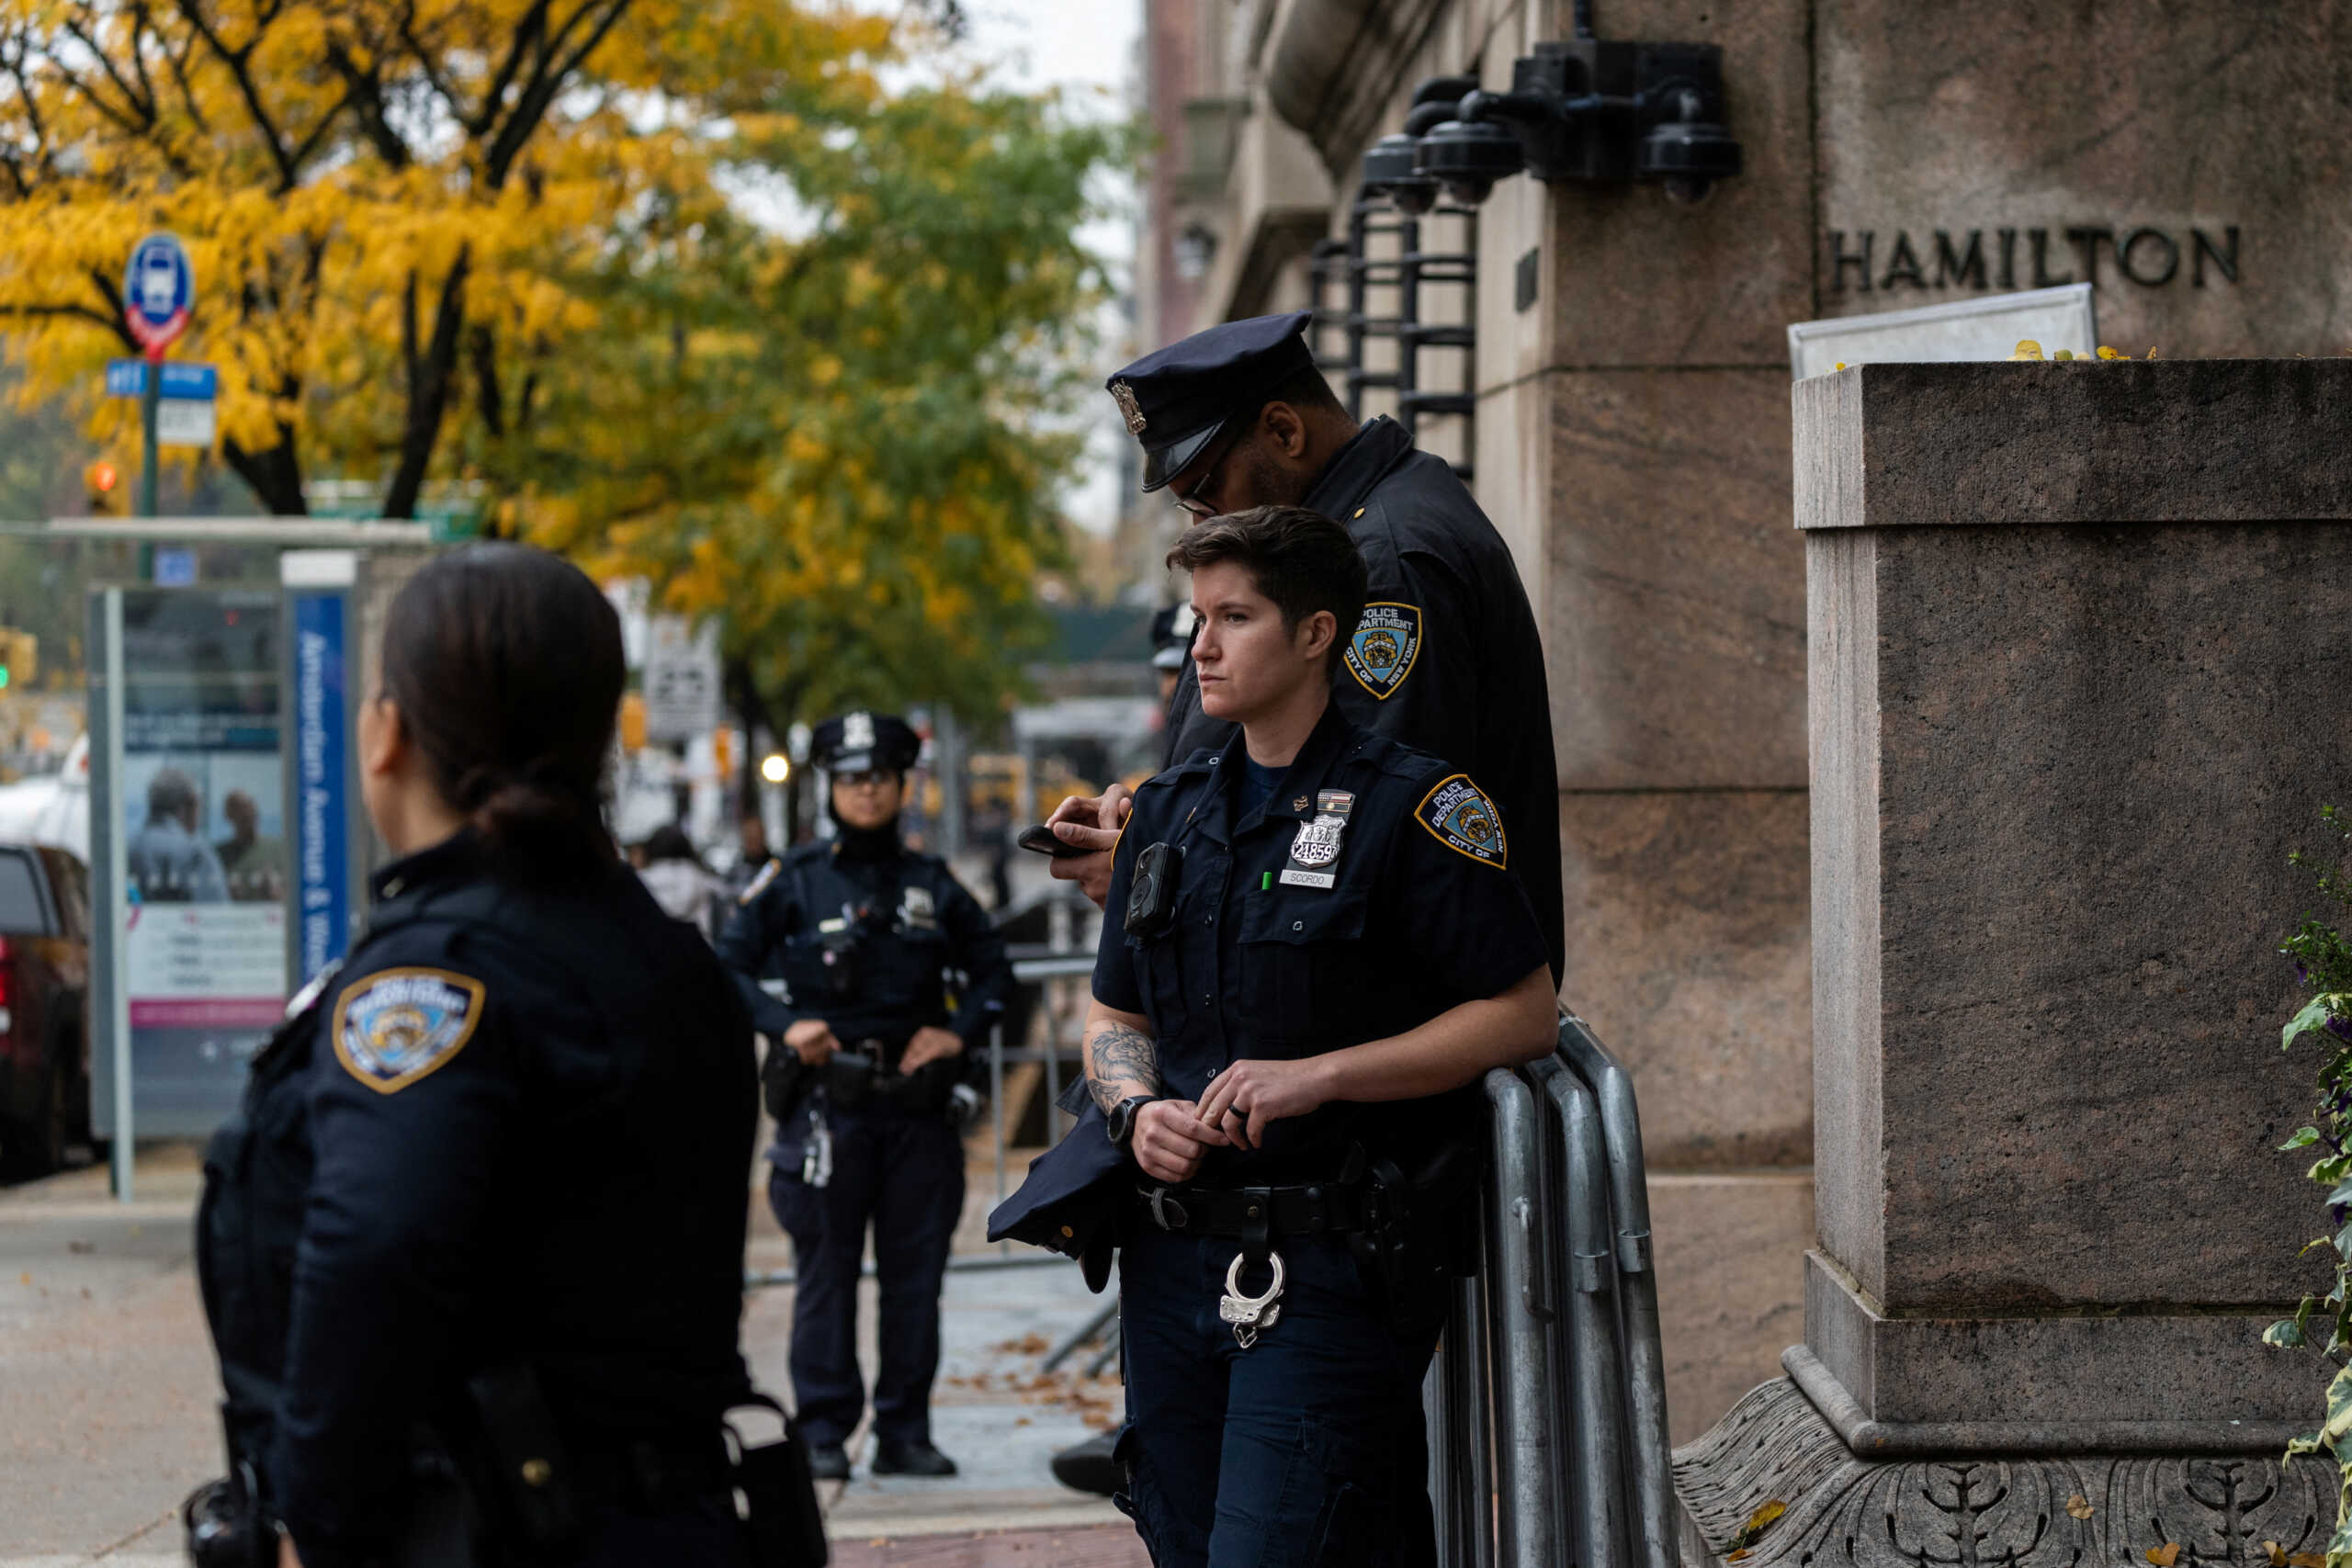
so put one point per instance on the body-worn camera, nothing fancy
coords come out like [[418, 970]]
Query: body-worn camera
[[1151, 892], [837, 941]]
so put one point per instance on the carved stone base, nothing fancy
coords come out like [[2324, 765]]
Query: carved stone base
[[1966, 1510]]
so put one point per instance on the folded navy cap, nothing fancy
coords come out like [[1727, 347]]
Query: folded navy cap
[[1175, 400]]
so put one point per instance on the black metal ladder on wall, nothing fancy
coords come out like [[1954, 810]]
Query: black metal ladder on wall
[[1348, 262]]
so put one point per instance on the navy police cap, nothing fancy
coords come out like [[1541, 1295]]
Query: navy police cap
[[861, 741], [1175, 400]]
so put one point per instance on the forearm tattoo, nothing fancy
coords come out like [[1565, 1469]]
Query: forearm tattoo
[[1120, 1057]]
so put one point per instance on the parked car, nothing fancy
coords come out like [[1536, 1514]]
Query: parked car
[[44, 1007]]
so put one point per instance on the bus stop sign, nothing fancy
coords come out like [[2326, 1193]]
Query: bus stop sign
[[157, 291]]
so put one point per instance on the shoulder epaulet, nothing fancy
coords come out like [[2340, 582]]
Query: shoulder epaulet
[[759, 884], [1191, 767], [1396, 759]]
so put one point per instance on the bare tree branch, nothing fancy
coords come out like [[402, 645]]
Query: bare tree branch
[[528, 32], [481, 346], [546, 83], [428, 393], [238, 60]]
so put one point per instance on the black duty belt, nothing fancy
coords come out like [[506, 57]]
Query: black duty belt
[[654, 1478], [1321, 1208]]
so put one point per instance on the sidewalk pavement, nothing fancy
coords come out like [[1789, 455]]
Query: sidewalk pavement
[[108, 1388]]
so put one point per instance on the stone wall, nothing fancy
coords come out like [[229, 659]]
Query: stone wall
[[1633, 443]]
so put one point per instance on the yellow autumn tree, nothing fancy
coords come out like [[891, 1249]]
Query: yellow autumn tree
[[372, 191]]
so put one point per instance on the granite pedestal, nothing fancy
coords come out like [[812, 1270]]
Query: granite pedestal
[[2076, 658]]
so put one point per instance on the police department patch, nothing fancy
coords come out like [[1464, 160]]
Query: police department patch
[[1459, 815], [398, 1025], [1386, 641]]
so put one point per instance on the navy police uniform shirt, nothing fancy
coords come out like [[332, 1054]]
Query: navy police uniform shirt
[[1446, 657], [1369, 895], [916, 922], [525, 1116]]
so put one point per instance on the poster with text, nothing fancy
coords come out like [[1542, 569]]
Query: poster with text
[[203, 833]]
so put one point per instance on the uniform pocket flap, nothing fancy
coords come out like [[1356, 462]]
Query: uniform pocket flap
[[1302, 916]]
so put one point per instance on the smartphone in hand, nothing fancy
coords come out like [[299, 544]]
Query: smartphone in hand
[[1042, 840]]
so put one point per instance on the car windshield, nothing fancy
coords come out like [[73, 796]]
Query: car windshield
[[19, 895]]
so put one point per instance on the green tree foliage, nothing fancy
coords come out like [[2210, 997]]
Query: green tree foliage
[[840, 430]]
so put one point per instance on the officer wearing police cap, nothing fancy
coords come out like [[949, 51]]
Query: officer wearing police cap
[[872, 1073], [1446, 656]]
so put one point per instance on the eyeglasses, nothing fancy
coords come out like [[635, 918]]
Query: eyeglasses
[[872, 778], [1191, 499]]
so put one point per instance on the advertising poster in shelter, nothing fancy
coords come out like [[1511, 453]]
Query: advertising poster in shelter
[[203, 832]]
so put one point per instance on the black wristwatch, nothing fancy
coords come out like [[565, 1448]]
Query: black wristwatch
[[1121, 1122]]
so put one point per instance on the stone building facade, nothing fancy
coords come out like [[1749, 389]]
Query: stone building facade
[[1629, 433]]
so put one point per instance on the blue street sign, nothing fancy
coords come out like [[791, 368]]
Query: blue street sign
[[175, 566], [160, 285], [182, 378], [322, 849]]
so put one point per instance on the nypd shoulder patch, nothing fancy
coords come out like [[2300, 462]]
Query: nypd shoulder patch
[[1459, 815], [1382, 652], [399, 1025]]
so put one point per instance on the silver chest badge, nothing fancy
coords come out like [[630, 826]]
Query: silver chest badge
[[1315, 851]]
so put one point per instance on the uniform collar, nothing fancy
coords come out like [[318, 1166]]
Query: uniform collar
[[1325, 745], [1363, 463], [454, 859]]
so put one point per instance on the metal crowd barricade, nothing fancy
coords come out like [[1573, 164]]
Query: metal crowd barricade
[[1547, 1400]]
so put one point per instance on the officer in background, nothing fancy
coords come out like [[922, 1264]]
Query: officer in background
[[872, 1076], [1446, 656], [1317, 951], [472, 1251]]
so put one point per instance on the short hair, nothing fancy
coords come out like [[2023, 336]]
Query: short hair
[[1307, 390], [169, 793], [1300, 559]]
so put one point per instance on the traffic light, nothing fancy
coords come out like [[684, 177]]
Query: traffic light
[[100, 479], [19, 658], [632, 721]]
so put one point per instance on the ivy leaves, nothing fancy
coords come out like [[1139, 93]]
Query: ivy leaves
[[2324, 963]]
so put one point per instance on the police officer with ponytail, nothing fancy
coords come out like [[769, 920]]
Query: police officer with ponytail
[[873, 1064], [472, 1251]]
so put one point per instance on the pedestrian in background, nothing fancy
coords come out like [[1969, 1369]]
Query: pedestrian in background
[[1317, 952], [680, 883], [845, 949], [481, 1220]]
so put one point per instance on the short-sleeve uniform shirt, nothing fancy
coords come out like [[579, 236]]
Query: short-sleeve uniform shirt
[[1369, 895]]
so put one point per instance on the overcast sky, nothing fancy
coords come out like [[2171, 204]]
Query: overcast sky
[[1087, 45]]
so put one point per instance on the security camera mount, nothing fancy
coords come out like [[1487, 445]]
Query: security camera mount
[[1587, 108]]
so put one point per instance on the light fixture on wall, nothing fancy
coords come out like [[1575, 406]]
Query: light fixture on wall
[[1584, 108], [1196, 247], [1391, 167]]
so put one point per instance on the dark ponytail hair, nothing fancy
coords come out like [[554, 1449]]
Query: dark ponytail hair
[[507, 663]]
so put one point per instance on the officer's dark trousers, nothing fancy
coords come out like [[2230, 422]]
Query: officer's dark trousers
[[902, 1174], [1307, 1450]]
